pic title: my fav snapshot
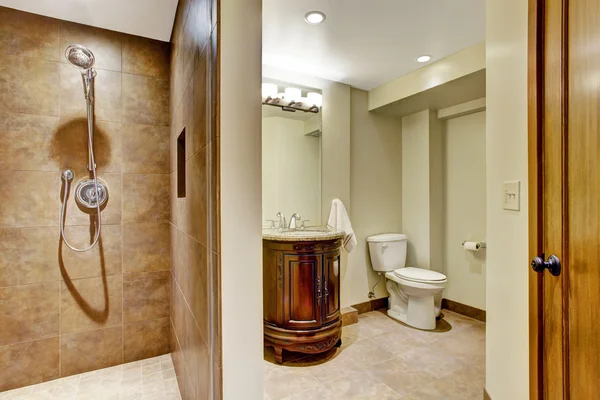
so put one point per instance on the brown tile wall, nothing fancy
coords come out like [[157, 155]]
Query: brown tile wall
[[195, 300], [63, 312]]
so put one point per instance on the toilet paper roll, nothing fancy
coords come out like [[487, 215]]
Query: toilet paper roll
[[472, 246]]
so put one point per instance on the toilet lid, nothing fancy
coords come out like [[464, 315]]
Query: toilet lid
[[419, 275]]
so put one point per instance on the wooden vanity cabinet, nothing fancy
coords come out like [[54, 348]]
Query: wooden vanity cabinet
[[301, 295]]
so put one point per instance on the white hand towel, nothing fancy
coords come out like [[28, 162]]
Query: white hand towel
[[339, 221]]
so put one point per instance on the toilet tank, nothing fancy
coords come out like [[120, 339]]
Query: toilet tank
[[388, 251]]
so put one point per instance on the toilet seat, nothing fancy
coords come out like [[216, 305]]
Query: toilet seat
[[420, 275]]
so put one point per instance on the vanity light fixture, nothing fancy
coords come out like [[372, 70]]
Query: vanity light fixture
[[291, 99], [314, 17], [423, 59]]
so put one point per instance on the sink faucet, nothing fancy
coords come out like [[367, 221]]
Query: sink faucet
[[293, 220], [281, 217]]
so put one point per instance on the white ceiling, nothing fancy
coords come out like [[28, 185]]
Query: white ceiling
[[148, 18], [365, 43]]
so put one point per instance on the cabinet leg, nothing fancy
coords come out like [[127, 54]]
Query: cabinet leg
[[278, 354], [339, 343]]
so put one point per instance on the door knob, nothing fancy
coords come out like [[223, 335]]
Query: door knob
[[552, 265]]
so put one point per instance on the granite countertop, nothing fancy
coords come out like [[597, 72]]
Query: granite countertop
[[307, 235]]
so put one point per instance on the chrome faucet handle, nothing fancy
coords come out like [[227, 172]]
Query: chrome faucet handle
[[281, 221], [272, 223], [303, 226]]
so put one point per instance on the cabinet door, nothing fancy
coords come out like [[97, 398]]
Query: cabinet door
[[303, 291], [331, 275]]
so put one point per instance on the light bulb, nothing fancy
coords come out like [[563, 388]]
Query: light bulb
[[269, 90], [293, 94], [423, 59], [315, 98]]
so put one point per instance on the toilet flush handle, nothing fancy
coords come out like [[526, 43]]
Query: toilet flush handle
[[383, 247]]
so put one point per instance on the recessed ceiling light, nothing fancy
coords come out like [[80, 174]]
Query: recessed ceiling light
[[314, 17], [423, 59]]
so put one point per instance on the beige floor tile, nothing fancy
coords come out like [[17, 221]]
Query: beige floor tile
[[335, 368], [361, 386], [460, 347], [400, 376], [447, 388], [473, 374], [365, 352], [285, 381], [381, 358], [428, 337], [370, 325], [363, 331], [473, 333], [432, 361], [397, 342], [458, 321], [319, 393]]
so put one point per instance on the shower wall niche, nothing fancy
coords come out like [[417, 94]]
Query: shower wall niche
[[62, 312]]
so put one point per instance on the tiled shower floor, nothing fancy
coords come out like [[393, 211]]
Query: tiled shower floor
[[153, 378]]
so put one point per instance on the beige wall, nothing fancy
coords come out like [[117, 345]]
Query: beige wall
[[195, 293], [464, 208], [506, 154], [455, 66], [240, 198], [376, 192], [335, 147], [422, 189], [436, 192], [62, 312], [291, 169], [415, 187]]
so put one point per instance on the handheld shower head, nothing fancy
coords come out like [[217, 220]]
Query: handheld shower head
[[83, 59], [80, 57]]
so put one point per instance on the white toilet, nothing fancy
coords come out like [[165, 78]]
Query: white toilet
[[415, 293]]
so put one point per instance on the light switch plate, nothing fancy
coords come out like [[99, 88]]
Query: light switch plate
[[512, 195]]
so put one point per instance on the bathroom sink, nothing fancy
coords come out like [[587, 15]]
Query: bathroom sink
[[303, 235]]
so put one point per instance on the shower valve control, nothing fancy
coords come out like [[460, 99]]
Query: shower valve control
[[86, 194]]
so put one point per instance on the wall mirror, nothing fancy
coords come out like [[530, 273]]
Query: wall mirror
[[291, 152]]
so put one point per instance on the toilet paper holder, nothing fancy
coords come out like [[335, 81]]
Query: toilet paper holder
[[480, 245]]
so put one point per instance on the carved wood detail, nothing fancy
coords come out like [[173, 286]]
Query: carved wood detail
[[279, 270], [317, 347]]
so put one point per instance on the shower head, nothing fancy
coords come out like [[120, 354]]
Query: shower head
[[80, 57]]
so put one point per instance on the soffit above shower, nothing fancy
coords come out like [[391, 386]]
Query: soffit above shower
[[148, 18], [367, 43]]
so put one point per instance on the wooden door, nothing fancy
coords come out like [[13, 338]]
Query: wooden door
[[303, 291], [331, 279], [564, 197]]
